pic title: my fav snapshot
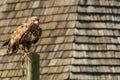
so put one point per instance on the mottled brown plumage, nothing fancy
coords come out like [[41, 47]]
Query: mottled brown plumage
[[23, 36]]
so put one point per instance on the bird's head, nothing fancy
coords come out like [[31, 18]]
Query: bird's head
[[34, 19]]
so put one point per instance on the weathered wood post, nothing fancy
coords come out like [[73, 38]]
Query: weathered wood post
[[33, 67]]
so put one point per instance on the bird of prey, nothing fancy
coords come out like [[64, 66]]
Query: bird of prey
[[24, 36]]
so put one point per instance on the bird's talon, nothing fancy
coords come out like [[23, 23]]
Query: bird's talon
[[26, 54]]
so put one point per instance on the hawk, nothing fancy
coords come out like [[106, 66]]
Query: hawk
[[24, 36]]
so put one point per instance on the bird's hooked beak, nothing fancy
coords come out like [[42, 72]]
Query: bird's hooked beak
[[36, 22]]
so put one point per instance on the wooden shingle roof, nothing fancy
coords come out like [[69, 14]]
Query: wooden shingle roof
[[80, 38], [97, 44]]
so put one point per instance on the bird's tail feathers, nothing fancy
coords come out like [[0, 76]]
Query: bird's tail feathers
[[6, 43]]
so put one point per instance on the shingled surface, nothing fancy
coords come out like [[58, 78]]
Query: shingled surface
[[57, 20], [80, 39], [97, 45]]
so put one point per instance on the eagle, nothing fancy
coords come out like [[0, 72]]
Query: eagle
[[23, 37]]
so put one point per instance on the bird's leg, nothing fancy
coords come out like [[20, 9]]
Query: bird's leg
[[26, 54]]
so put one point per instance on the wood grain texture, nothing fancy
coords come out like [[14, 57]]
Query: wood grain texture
[[33, 71]]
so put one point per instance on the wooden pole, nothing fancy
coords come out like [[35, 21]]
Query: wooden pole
[[33, 67]]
